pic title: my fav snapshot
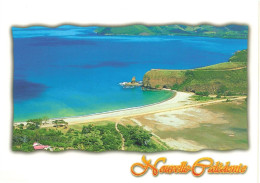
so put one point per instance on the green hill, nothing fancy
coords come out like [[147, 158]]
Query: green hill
[[229, 31], [240, 56], [228, 77]]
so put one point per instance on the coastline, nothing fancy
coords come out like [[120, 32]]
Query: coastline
[[177, 100], [164, 119], [174, 92]]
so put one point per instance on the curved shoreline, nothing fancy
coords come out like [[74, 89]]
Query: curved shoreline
[[119, 110], [177, 100], [136, 107], [174, 92]]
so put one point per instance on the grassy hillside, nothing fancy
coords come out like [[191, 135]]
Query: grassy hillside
[[229, 31], [225, 66], [225, 78], [239, 56]]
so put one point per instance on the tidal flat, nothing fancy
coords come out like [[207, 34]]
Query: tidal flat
[[223, 126]]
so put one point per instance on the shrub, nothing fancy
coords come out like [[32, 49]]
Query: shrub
[[176, 86], [205, 93], [218, 95], [157, 86], [222, 90]]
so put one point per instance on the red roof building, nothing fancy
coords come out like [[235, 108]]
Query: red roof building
[[38, 146]]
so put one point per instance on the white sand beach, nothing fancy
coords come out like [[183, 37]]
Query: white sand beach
[[180, 99]]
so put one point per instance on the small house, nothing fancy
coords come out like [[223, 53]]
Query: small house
[[38, 146]]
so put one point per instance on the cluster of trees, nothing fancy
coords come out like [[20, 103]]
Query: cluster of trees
[[23, 139], [33, 124], [60, 123], [97, 138], [90, 138], [138, 139], [135, 135]]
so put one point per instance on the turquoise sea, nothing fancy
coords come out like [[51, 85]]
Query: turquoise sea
[[71, 71]]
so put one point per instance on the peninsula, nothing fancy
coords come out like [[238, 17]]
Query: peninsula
[[228, 78]]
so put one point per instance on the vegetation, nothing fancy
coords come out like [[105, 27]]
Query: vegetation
[[229, 31], [90, 138], [60, 123], [138, 139], [157, 86], [239, 56], [98, 138], [23, 139], [202, 98], [224, 66], [33, 124], [225, 79], [102, 137], [202, 93]]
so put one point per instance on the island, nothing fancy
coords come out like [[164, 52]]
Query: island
[[132, 84]]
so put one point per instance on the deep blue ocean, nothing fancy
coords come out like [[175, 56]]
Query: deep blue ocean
[[72, 71]]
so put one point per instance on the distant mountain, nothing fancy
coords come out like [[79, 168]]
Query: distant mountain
[[229, 31]]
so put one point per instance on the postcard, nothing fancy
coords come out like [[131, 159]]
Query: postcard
[[130, 88]]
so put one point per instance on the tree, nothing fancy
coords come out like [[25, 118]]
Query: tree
[[55, 122], [141, 137], [91, 141], [36, 121], [59, 122], [45, 119], [31, 126], [87, 129], [20, 126]]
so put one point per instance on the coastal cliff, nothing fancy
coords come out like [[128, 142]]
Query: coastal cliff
[[229, 77]]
